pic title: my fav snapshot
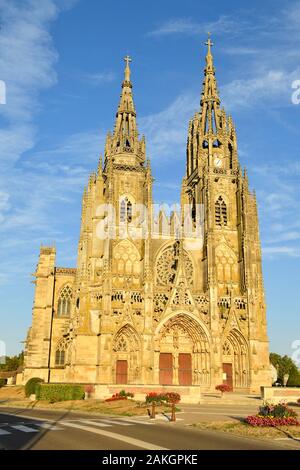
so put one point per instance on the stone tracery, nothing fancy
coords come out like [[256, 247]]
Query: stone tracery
[[167, 264]]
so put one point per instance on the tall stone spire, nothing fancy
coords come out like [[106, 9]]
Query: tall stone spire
[[210, 101], [125, 138], [126, 105], [211, 139]]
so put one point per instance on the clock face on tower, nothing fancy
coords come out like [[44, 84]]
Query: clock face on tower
[[218, 161]]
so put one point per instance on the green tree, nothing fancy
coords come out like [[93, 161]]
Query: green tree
[[283, 364], [294, 378], [12, 363]]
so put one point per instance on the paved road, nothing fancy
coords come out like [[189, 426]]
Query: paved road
[[56, 430]]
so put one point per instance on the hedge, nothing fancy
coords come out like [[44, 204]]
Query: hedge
[[31, 384], [59, 392]]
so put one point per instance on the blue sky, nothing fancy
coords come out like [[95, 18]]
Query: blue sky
[[62, 62]]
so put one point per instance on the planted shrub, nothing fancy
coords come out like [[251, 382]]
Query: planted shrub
[[223, 388], [154, 397], [31, 385], [122, 395], [172, 397], [59, 392], [280, 410]]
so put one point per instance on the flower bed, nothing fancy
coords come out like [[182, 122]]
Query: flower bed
[[168, 397], [271, 421], [274, 415], [223, 388], [122, 395]]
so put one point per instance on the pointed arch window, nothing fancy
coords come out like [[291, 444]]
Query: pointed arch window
[[64, 302], [220, 212], [60, 357], [125, 211]]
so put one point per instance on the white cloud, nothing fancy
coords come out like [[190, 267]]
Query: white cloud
[[240, 50], [268, 86], [98, 78], [166, 131], [223, 25], [27, 61], [272, 251], [79, 147]]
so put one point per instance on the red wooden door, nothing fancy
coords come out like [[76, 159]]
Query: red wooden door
[[185, 369], [165, 369], [227, 374], [121, 372]]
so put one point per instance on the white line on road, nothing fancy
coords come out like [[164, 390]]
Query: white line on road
[[22, 428], [138, 421], [114, 421], [3, 432], [49, 426], [119, 437], [94, 423]]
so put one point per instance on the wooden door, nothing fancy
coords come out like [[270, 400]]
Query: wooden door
[[185, 369], [121, 372], [227, 374], [165, 369]]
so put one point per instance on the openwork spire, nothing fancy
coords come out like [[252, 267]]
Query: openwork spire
[[124, 139], [211, 139], [126, 104], [210, 101], [125, 131]]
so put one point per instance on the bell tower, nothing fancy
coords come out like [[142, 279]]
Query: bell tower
[[114, 248], [231, 254]]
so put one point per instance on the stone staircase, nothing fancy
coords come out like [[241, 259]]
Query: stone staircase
[[234, 398]]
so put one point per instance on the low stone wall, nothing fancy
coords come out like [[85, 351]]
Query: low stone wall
[[190, 394], [280, 394]]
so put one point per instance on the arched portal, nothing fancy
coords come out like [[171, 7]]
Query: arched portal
[[236, 360], [126, 355], [182, 352]]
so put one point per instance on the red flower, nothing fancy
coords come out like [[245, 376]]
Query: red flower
[[223, 388], [263, 421]]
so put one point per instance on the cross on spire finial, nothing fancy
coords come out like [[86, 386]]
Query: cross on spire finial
[[127, 60], [127, 68], [209, 43]]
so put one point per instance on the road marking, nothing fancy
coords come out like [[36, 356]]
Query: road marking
[[95, 423], [119, 437], [136, 421], [49, 426], [3, 432], [23, 428], [113, 422]]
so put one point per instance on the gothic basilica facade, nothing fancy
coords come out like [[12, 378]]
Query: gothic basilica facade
[[150, 306]]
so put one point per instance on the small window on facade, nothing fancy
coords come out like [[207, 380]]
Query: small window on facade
[[60, 358], [125, 211], [220, 212]]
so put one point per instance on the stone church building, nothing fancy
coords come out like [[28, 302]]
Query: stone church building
[[150, 306]]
